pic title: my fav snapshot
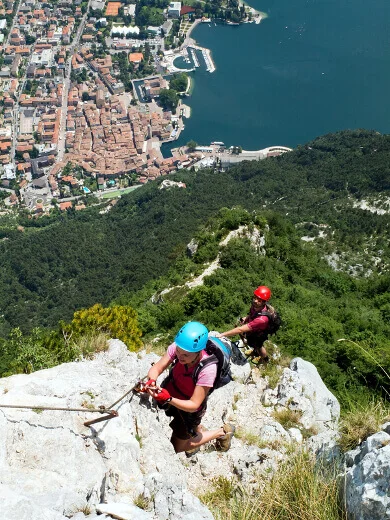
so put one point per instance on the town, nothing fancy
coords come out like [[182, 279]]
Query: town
[[88, 93]]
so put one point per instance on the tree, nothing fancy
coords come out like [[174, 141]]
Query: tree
[[29, 39], [179, 82], [169, 99], [85, 96], [191, 145]]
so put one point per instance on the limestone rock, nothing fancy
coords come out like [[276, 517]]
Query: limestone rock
[[53, 467], [301, 388], [367, 479], [192, 248], [386, 427]]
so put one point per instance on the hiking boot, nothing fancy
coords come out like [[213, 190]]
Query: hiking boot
[[191, 453], [223, 443]]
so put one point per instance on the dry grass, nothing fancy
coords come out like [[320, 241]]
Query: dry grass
[[88, 405], [274, 369], [299, 490], [247, 437], [89, 345], [288, 418], [157, 347], [142, 502], [252, 439], [361, 422], [364, 418]]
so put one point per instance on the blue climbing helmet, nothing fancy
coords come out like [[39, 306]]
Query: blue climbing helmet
[[192, 337]]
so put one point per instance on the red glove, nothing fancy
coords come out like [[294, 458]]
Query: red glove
[[163, 396], [149, 383]]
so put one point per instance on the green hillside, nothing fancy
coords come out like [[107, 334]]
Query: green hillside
[[63, 263], [128, 256]]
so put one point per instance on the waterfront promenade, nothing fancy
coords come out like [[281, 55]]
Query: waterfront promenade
[[216, 154]]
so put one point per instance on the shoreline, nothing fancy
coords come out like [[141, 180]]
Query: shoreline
[[188, 48]]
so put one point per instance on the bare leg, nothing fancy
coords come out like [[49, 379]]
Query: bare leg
[[202, 438]]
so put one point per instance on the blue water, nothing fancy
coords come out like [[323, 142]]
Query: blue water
[[311, 67]]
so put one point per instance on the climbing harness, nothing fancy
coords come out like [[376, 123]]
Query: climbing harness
[[108, 411]]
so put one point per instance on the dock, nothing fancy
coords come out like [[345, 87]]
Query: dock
[[210, 67]]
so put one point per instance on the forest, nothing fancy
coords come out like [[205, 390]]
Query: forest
[[67, 262], [63, 263]]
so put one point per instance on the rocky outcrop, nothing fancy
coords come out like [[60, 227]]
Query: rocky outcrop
[[367, 478], [52, 466], [192, 248]]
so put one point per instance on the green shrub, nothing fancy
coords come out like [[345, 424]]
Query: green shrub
[[117, 322]]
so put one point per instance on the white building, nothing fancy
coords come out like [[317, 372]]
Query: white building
[[44, 59], [3, 24], [9, 172], [174, 9], [123, 31]]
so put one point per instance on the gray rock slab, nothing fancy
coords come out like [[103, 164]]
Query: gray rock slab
[[124, 511], [53, 467], [367, 479]]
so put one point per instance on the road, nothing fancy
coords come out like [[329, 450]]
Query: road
[[6, 43], [66, 85]]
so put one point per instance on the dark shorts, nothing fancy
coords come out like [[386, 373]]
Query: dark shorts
[[184, 424], [256, 341]]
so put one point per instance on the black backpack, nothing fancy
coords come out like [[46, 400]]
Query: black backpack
[[274, 320]]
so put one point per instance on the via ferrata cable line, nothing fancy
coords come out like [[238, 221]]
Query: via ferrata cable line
[[110, 413]]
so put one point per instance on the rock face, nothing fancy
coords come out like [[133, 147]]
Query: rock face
[[192, 248], [367, 478], [53, 467]]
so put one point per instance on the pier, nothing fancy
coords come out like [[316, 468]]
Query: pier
[[194, 57], [210, 67]]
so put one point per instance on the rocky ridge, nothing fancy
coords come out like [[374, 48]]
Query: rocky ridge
[[53, 467]]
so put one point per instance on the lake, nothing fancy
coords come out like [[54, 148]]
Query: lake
[[311, 67]]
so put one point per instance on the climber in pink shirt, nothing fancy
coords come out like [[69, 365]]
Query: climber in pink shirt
[[184, 399]]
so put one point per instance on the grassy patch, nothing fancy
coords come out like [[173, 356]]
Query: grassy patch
[[142, 502], [139, 439], [273, 373], [88, 405], [361, 422], [299, 490], [288, 418], [90, 345], [247, 436], [252, 439]]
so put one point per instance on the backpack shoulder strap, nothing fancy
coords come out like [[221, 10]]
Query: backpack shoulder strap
[[211, 360]]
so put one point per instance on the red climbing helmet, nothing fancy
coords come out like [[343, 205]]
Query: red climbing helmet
[[263, 292]]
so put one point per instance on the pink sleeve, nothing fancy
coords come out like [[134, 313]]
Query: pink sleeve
[[207, 376], [259, 323], [172, 351]]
